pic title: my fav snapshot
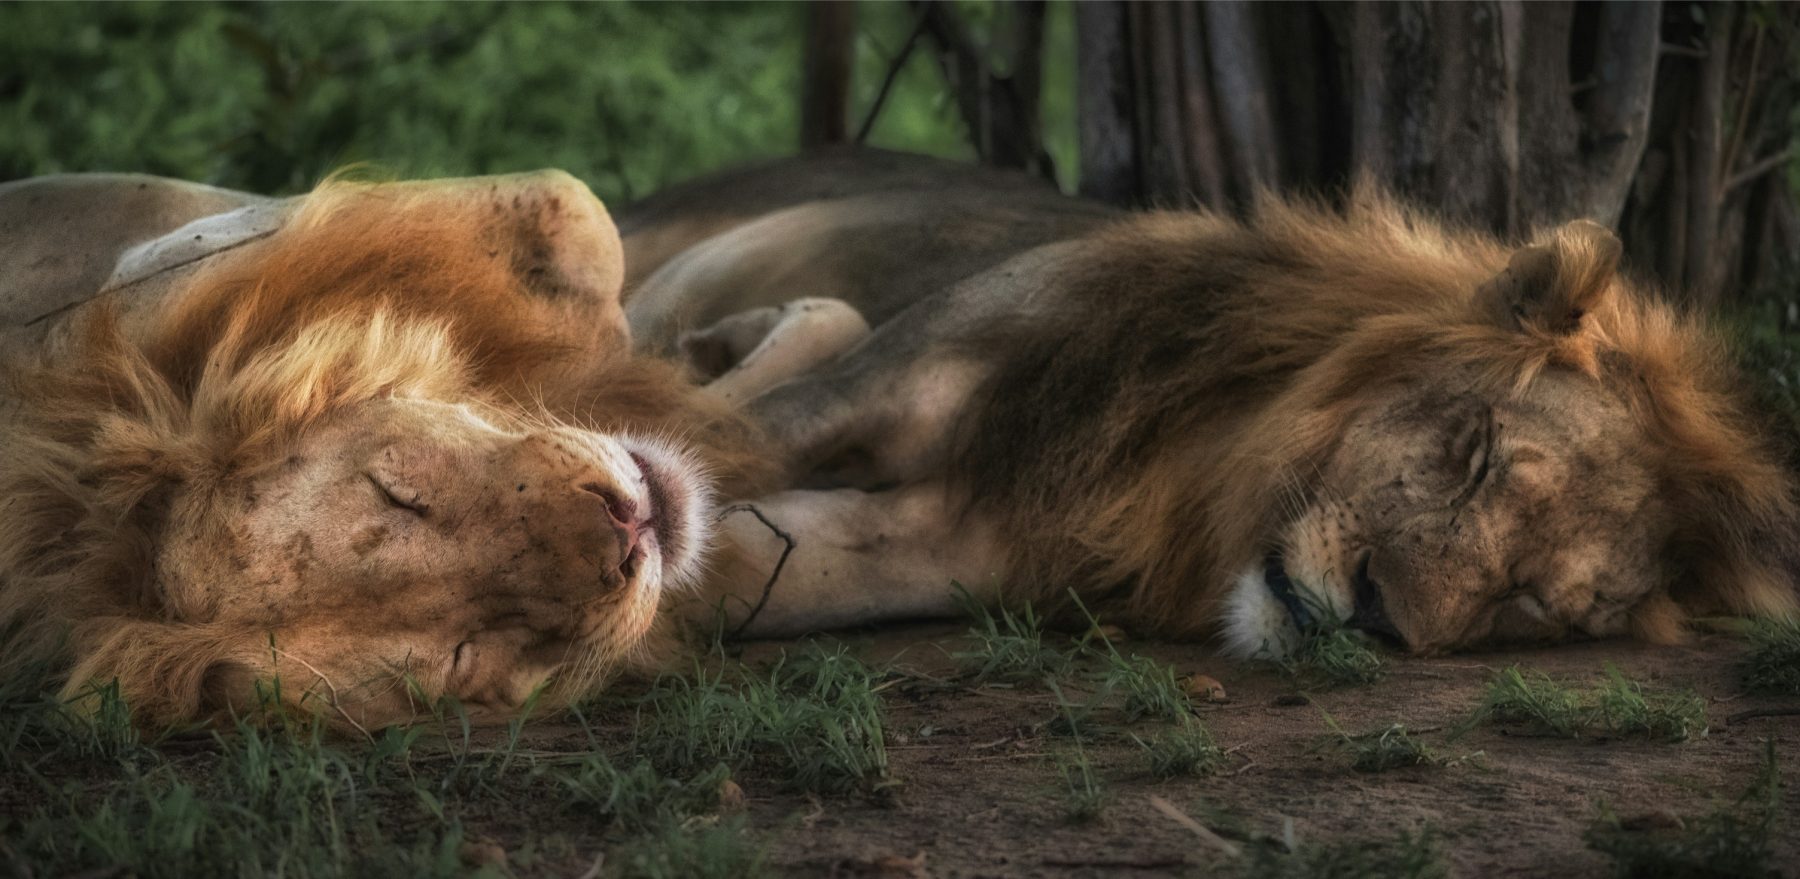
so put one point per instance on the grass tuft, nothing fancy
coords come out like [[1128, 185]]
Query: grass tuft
[[271, 800], [1617, 707], [1331, 654], [813, 721], [1732, 840], [694, 850], [1084, 797], [1188, 750], [1152, 690], [1009, 647], [1334, 656], [1405, 856], [1392, 747], [638, 798], [1773, 664]]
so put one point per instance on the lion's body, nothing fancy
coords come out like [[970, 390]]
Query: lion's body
[[385, 438], [377, 438], [1175, 414]]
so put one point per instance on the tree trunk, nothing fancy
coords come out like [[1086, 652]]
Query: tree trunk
[[999, 108], [825, 77], [1499, 113]]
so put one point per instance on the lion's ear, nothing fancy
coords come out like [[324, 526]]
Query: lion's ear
[[1550, 286]]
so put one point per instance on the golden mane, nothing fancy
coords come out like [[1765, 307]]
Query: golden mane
[[362, 295], [1205, 365]]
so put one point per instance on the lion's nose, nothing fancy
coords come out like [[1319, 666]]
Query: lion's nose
[[623, 513], [1367, 613]]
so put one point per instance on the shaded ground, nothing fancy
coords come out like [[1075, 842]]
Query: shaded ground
[[979, 793], [976, 788]]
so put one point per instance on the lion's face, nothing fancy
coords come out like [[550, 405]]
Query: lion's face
[[1449, 518], [412, 539]]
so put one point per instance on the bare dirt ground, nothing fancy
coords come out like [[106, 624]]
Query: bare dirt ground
[[978, 793], [975, 789]]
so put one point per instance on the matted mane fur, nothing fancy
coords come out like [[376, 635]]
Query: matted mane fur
[[356, 298], [1204, 366]]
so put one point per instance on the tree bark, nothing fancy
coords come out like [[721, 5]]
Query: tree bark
[[1240, 85], [1504, 114], [1103, 102], [1618, 113], [1000, 109], [825, 77], [1706, 138]]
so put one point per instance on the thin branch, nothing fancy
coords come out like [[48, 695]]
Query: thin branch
[[330, 687], [1682, 51], [780, 563], [1759, 168], [893, 73]]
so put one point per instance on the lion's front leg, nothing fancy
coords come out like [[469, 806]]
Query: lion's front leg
[[805, 561]]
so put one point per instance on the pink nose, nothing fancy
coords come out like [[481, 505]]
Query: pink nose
[[623, 513]]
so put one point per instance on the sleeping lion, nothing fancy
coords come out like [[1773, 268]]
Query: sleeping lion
[[386, 442], [389, 443], [1204, 426]]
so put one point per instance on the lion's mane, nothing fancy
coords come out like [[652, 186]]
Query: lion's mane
[[1200, 366], [357, 297]]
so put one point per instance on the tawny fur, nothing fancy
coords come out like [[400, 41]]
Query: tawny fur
[[358, 297]]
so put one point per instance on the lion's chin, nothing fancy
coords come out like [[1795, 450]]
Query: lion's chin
[[1257, 624]]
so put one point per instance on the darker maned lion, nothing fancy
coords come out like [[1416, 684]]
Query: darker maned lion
[[1206, 425]]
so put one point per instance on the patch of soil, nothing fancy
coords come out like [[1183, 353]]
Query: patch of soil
[[979, 792]]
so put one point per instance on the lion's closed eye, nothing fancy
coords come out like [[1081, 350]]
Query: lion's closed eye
[[398, 496]]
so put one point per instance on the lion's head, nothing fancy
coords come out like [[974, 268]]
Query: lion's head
[[368, 455], [1551, 454]]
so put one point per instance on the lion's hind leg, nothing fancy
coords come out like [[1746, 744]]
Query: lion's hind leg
[[750, 352]]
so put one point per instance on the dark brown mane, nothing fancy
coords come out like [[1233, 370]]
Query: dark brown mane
[[1202, 366]]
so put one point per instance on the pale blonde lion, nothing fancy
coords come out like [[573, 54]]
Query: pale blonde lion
[[382, 442]]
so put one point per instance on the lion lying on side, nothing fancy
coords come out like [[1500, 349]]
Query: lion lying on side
[[1207, 426], [384, 441]]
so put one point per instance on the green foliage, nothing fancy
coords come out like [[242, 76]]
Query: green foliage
[[703, 850], [1391, 747], [276, 799], [1151, 689], [813, 720], [638, 798], [1188, 749], [1009, 647], [277, 795], [270, 97], [1617, 707], [1084, 797], [1773, 663], [1330, 654], [627, 96], [1334, 656], [1405, 856], [1733, 840]]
